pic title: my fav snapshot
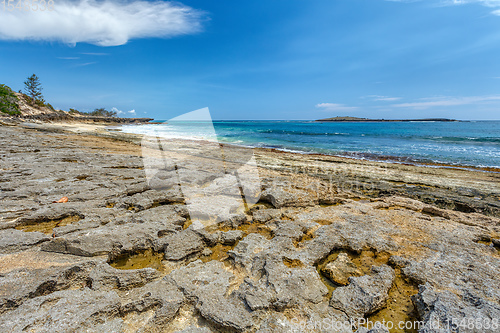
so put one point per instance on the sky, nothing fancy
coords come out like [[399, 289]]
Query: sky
[[260, 59]]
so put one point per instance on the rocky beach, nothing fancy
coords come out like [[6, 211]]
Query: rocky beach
[[330, 244]]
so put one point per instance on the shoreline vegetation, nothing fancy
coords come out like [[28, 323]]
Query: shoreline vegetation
[[20, 106]]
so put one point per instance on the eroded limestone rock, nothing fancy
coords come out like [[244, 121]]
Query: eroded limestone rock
[[364, 295]]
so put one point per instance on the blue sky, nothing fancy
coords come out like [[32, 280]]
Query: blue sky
[[279, 59]]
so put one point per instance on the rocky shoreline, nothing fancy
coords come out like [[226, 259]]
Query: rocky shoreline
[[331, 240]]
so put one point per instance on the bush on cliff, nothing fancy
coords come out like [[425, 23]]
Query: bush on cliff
[[8, 101], [102, 112]]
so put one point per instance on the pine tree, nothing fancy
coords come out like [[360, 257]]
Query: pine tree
[[33, 88]]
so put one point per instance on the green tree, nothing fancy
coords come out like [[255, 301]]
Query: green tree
[[33, 88], [102, 112]]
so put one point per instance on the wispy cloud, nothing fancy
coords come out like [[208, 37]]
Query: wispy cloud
[[426, 103], [103, 23], [85, 64], [487, 3], [95, 53], [381, 98], [335, 107]]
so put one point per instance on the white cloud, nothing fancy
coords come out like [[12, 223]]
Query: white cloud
[[103, 23], [335, 107], [95, 54], [85, 64], [118, 112], [487, 3], [382, 98], [447, 101]]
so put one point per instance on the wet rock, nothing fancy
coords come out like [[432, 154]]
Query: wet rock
[[66, 311], [364, 295], [12, 240], [341, 269]]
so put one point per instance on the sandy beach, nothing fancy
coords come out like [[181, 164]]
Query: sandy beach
[[328, 239]]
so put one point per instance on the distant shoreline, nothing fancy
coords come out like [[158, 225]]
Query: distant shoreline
[[356, 119]]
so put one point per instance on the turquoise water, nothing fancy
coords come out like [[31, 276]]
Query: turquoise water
[[458, 143]]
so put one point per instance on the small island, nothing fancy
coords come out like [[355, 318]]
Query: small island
[[357, 119]]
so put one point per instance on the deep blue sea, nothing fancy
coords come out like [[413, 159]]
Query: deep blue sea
[[475, 143]]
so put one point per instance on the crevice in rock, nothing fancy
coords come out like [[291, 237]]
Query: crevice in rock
[[138, 260], [256, 228], [493, 243], [47, 226], [125, 167], [292, 263], [399, 307], [217, 252], [308, 235]]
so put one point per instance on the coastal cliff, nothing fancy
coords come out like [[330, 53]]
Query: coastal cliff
[[18, 107]]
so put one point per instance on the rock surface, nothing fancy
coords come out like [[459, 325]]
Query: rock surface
[[364, 295], [341, 269], [430, 234]]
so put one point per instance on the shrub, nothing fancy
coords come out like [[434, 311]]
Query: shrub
[[8, 101], [102, 112], [50, 106]]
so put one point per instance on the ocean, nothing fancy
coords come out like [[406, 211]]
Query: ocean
[[472, 143]]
